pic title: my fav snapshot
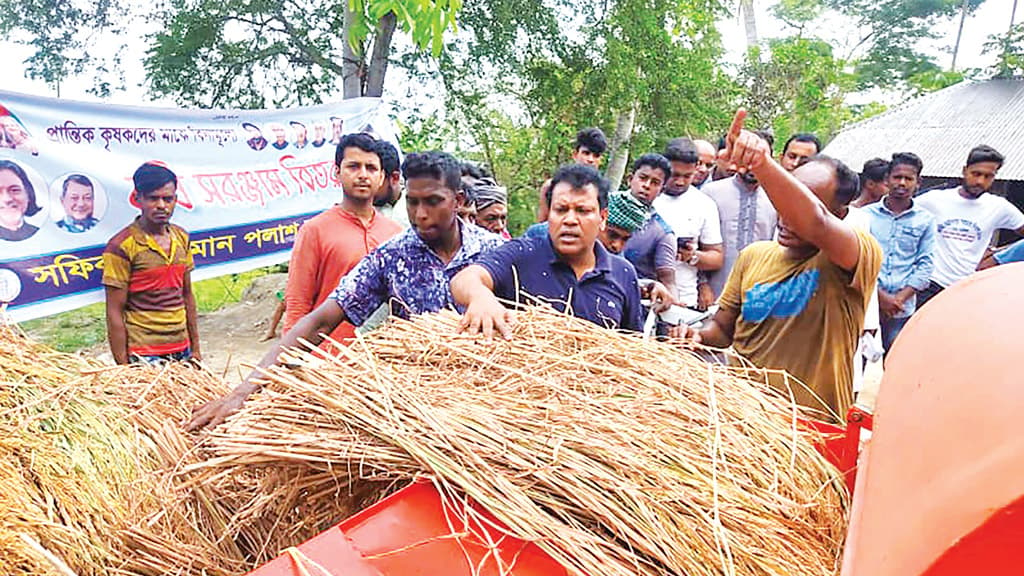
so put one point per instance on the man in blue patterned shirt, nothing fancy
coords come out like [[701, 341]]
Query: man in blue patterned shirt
[[410, 272]]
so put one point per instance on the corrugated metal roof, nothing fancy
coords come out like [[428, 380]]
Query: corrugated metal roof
[[942, 127]]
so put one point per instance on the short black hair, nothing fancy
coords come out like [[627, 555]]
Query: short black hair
[[364, 142], [152, 176], [874, 170], [592, 139], [251, 125], [906, 159], [81, 179], [30, 191], [681, 153], [388, 155], [440, 166], [682, 143], [847, 182], [984, 153], [297, 123], [654, 160], [579, 176], [803, 137]]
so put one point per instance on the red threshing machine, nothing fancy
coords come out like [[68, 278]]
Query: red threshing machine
[[939, 487]]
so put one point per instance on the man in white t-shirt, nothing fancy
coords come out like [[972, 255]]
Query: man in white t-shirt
[[966, 218], [693, 217]]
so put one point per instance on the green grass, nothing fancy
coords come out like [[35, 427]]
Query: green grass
[[86, 327]]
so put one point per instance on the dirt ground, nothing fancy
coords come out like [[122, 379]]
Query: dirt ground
[[231, 336]]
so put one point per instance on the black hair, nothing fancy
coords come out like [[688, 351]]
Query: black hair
[[30, 191], [592, 139], [682, 143], [77, 179], [906, 159], [803, 137], [656, 161], [847, 182], [364, 142], [875, 170], [152, 176], [767, 136], [578, 176], [475, 171], [720, 145], [681, 153], [438, 165], [251, 125], [984, 153], [388, 155]]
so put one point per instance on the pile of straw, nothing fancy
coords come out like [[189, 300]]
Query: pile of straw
[[89, 458], [615, 455]]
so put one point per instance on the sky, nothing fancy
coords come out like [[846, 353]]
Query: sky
[[977, 28]]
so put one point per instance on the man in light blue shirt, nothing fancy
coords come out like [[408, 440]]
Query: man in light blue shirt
[[907, 235]]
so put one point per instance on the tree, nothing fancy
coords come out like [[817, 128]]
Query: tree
[[800, 87], [257, 52], [246, 53], [1009, 51], [61, 34]]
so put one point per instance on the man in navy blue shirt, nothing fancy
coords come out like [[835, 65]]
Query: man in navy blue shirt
[[567, 268]]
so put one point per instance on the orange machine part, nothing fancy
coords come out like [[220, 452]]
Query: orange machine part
[[940, 484], [414, 532]]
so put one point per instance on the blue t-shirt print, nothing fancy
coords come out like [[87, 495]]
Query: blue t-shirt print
[[780, 299]]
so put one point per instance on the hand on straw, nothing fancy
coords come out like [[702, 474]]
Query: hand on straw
[[215, 412], [744, 150], [486, 315]]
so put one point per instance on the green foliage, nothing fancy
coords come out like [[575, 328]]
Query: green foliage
[[933, 79], [799, 88], [1009, 51], [891, 32], [524, 76], [61, 34]]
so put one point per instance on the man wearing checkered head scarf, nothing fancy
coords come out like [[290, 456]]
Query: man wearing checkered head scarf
[[625, 215]]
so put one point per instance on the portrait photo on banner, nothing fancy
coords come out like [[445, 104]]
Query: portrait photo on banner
[[23, 200], [78, 202]]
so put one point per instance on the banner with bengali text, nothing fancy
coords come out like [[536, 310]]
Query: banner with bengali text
[[247, 179]]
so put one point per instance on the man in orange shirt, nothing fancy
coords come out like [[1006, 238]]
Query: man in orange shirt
[[333, 242]]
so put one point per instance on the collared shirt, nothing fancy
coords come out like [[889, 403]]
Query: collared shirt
[[745, 217], [77, 226], [908, 242], [608, 295], [406, 274], [155, 310], [652, 246], [327, 247], [23, 232]]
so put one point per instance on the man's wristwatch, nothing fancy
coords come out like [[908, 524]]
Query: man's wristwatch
[[694, 258]]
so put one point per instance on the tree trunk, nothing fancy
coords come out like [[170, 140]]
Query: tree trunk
[[959, 33], [379, 56], [620, 146], [749, 22], [351, 62]]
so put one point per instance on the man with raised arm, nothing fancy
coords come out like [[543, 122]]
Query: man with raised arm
[[797, 303]]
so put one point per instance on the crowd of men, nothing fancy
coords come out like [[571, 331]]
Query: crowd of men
[[801, 262]]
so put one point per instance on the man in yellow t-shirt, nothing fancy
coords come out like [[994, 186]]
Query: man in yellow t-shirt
[[797, 304]]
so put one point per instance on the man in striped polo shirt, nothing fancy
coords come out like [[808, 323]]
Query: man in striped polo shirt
[[151, 312]]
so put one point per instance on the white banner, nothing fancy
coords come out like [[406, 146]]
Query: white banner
[[246, 180]]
